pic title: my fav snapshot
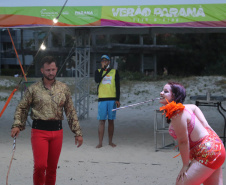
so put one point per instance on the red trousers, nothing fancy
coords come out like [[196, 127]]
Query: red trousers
[[46, 146]]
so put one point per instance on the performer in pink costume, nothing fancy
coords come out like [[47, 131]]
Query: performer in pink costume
[[202, 151]]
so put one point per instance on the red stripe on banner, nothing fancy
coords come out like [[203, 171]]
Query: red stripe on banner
[[29, 21]]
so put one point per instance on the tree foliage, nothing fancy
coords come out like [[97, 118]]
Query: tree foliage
[[197, 54]]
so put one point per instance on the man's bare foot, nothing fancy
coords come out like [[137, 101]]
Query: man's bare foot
[[99, 146], [112, 144]]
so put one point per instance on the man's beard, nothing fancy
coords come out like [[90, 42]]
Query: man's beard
[[50, 77]]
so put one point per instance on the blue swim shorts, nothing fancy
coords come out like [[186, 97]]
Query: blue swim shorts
[[105, 110]]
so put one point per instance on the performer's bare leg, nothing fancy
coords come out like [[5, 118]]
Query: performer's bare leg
[[198, 174], [101, 133], [111, 132], [215, 178]]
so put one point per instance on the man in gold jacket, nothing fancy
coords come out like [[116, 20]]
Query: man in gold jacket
[[108, 98], [47, 99]]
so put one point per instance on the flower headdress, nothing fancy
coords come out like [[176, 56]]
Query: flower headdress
[[172, 109]]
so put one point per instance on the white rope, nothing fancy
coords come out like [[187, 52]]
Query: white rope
[[135, 104], [14, 149]]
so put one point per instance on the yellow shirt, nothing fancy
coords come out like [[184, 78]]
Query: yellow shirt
[[107, 88]]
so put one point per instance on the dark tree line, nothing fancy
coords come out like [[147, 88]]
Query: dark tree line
[[197, 54]]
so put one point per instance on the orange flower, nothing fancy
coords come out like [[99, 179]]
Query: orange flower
[[172, 109]]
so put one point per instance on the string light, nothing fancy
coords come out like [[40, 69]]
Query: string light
[[43, 47], [55, 20]]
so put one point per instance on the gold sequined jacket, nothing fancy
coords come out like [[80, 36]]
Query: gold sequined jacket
[[46, 104]]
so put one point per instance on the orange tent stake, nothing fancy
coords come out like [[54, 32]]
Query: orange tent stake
[[7, 102]]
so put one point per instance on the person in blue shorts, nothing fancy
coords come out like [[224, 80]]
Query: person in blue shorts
[[108, 98]]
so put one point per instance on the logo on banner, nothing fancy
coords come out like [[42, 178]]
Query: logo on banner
[[44, 12], [170, 14], [86, 14]]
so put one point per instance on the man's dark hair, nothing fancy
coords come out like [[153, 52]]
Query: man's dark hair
[[48, 60]]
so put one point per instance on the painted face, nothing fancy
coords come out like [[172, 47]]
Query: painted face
[[166, 94], [49, 71]]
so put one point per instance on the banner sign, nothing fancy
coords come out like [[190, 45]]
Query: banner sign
[[175, 15]]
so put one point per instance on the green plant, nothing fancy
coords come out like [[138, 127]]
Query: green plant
[[221, 82], [5, 88], [93, 92], [3, 98], [138, 92]]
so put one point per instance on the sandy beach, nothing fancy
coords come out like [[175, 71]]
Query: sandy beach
[[134, 160]]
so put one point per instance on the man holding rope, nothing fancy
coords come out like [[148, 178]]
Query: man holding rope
[[47, 99]]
